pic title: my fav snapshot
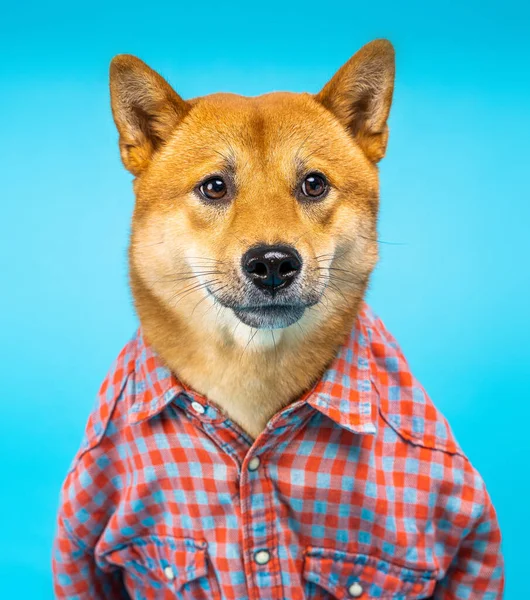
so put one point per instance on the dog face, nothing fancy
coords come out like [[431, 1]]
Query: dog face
[[265, 207]]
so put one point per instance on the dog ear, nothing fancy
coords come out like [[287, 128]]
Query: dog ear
[[145, 109], [360, 95]]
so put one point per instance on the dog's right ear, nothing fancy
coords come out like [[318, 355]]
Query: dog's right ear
[[145, 108]]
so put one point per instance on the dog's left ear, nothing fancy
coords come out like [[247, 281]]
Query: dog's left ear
[[360, 95]]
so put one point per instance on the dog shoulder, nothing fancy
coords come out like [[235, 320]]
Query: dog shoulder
[[404, 404]]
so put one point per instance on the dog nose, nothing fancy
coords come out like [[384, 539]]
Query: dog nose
[[272, 268]]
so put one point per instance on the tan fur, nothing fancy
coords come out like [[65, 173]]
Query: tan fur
[[180, 244]]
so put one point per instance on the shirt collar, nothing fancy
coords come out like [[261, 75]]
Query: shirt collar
[[345, 393], [155, 386]]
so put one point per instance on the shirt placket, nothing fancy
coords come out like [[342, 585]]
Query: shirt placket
[[260, 543], [259, 539]]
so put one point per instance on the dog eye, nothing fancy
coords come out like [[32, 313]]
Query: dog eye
[[213, 189], [314, 185]]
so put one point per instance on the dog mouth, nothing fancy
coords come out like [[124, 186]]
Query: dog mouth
[[270, 316]]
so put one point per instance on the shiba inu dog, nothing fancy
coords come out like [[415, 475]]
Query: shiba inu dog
[[261, 436], [254, 232]]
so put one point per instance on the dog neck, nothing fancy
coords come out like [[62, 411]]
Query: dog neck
[[250, 376]]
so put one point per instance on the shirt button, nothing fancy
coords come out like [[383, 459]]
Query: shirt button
[[253, 463], [169, 573], [355, 590], [262, 557], [198, 407]]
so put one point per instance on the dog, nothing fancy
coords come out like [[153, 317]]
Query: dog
[[262, 436]]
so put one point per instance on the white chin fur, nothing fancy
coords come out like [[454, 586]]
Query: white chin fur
[[247, 337]]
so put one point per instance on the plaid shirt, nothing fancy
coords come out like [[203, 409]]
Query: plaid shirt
[[356, 490]]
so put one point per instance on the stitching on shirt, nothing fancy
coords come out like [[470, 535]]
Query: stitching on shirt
[[291, 431], [363, 558], [231, 425], [409, 435], [70, 532], [161, 540], [418, 439], [94, 442], [209, 430], [274, 537], [191, 546]]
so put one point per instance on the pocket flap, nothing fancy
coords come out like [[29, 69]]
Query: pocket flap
[[168, 560], [346, 575]]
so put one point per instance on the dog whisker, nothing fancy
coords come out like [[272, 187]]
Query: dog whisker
[[237, 238], [335, 278], [183, 293], [189, 275], [296, 240], [204, 298], [275, 349], [250, 338], [364, 237], [332, 255], [302, 330], [335, 287], [172, 279], [147, 245], [207, 259], [332, 269], [237, 325]]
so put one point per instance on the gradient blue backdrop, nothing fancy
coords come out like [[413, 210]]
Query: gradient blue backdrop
[[452, 286]]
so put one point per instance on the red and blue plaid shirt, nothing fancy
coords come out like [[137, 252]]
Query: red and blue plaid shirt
[[356, 490]]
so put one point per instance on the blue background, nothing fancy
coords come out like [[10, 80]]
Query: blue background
[[453, 282]]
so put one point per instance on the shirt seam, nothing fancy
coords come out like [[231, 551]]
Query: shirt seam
[[418, 441], [96, 441], [74, 538]]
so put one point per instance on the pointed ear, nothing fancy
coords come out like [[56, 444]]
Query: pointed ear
[[360, 95], [145, 109]]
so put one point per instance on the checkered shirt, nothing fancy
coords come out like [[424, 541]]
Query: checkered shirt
[[356, 490]]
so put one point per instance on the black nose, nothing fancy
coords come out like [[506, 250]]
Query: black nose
[[272, 268]]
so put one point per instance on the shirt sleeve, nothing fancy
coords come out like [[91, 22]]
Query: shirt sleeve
[[477, 571], [76, 574], [87, 502]]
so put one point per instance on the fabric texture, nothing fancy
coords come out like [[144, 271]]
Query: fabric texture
[[357, 490]]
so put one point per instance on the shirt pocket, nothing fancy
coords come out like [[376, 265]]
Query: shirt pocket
[[163, 568], [331, 574]]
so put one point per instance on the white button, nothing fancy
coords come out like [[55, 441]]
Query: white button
[[169, 573], [355, 590], [198, 407], [262, 557], [253, 463]]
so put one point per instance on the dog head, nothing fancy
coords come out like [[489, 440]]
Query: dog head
[[266, 206]]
